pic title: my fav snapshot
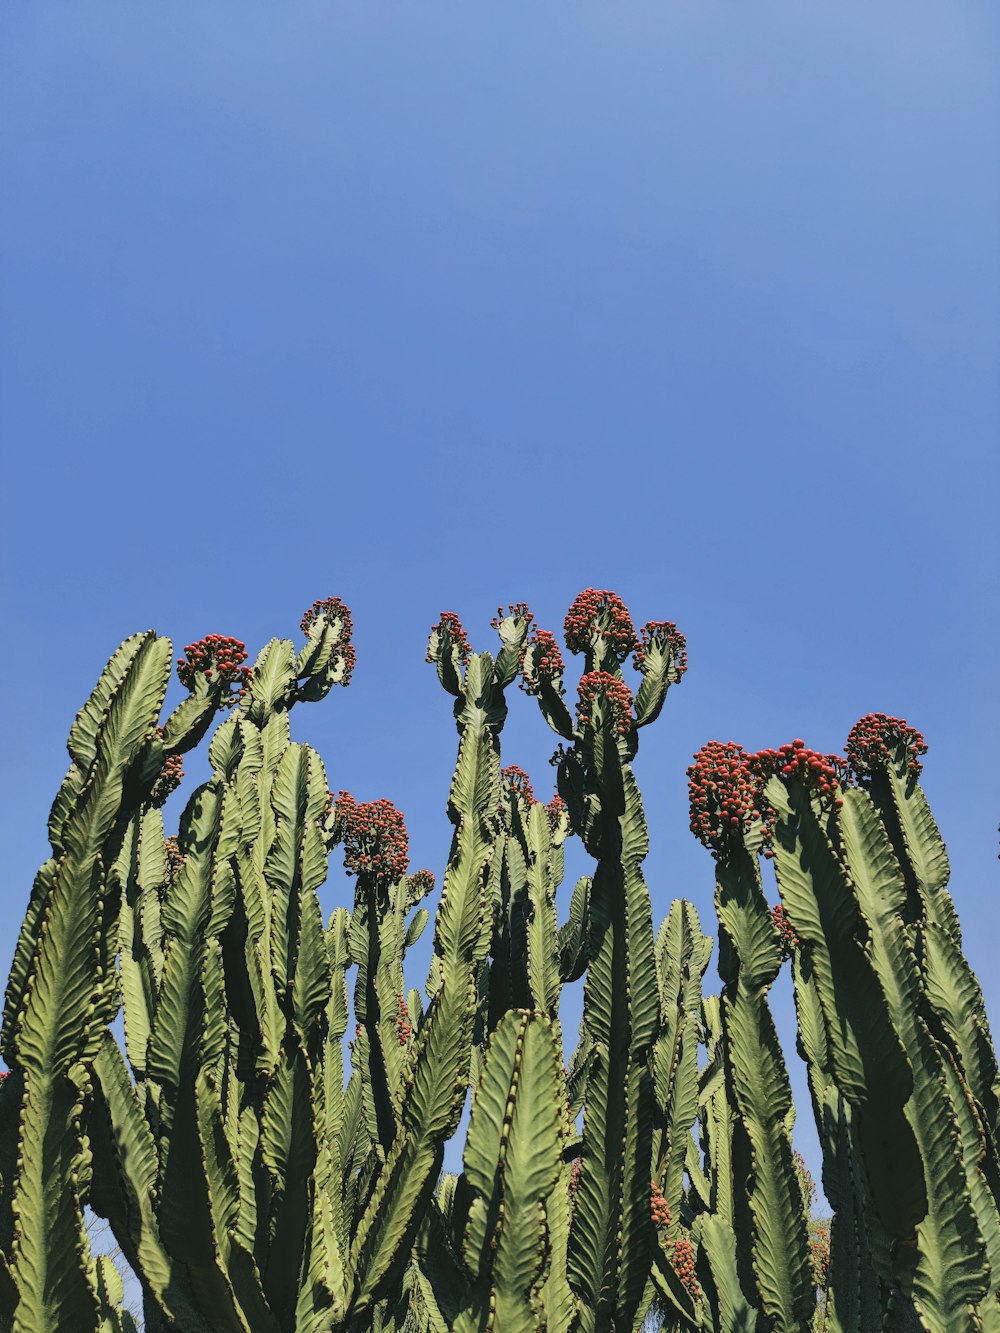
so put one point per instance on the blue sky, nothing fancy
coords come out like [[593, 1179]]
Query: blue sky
[[436, 307]]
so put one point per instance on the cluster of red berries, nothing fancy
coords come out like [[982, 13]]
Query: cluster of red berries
[[449, 628], [682, 1261], [421, 884], [873, 742], [175, 857], [615, 693], [574, 1176], [598, 612], [788, 938], [662, 1216], [725, 793], [555, 810], [726, 787], [517, 782], [519, 610], [374, 837], [218, 659], [331, 609], [666, 634], [169, 779], [404, 1031], [546, 661], [822, 773], [819, 1244], [805, 1179]]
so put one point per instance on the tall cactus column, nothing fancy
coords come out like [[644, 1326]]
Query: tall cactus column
[[771, 1226], [62, 995], [612, 1238]]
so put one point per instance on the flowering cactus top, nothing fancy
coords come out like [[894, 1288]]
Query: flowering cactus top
[[555, 810], [517, 782], [726, 787], [333, 609], [724, 792], [449, 629], [666, 634], [598, 612], [218, 660], [541, 660], [519, 611], [823, 773], [421, 884], [615, 693], [873, 741], [374, 837], [788, 939], [170, 777]]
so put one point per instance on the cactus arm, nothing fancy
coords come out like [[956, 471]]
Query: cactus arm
[[853, 1298], [573, 935], [437, 1072], [866, 1057], [611, 1236], [512, 1165], [761, 1095], [953, 996], [124, 1188], [63, 995], [718, 1275], [56, 1291], [682, 956], [950, 1273], [541, 927], [141, 870]]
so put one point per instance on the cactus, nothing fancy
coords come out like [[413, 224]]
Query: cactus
[[266, 1141]]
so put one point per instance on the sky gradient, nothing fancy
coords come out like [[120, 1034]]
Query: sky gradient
[[436, 307]]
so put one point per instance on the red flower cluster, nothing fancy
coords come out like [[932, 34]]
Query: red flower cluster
[[555, 810], [517, 782], [789, 942], [873, 740], [215, 656], [597, 611], [617, 695], [170, 777], [819, 1244], [725, 793], [421, 884], [823, 773], [449, 627], [332, 608], [519, 610], [374, 837], [547, 661], [668, 636], [805, 1179], [175, 857], [403, 1029], [726, 787], [682, 1260], [662, 1216]]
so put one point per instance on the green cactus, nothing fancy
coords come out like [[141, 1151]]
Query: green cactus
[[256, 1181]]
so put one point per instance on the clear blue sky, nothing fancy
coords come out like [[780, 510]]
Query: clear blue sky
[[439, 306]]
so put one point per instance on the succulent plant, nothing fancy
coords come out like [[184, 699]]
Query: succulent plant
[[267, 1142]]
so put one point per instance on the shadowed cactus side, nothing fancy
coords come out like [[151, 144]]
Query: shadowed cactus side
[[267, 1143]]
